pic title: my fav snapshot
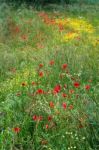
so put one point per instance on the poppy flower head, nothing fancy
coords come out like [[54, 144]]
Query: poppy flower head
[[16, 129], [64, 95], [87, 87], [49, 118], [64, 105], [46, 126], [40, 65], [41, 74], [33, 83], [40, 91], [76, 84], [57, 89], [64, 66], [35, 118], [51, 62], [51, 104]]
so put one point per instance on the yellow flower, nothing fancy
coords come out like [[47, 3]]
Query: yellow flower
[[79, 25], [17, 80], [70, 36]]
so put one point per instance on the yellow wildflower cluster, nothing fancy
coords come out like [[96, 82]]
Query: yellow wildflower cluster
[[94, 40], [76, 24], [81, 25], [76, 27], [17, 80], [70, 36]]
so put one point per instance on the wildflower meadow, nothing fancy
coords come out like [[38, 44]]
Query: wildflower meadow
[[49, 77]]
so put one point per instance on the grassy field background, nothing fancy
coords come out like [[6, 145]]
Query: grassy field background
[[49, 78]]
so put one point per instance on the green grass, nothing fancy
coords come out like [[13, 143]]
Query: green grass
[[30, 41]]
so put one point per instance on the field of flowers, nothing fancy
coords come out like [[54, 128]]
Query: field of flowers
[[49, 78]]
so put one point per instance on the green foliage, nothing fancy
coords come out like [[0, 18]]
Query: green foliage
[[30, 43], [44, 2]]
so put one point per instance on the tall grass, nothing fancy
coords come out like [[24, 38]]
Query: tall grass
[[49, 78]]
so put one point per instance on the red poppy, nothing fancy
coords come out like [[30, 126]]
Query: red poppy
[[64, 66], [40, 91], [64, 105], [51, 104], [35, 118], [33, 83], [51, 62], [46, 126], [57, 89], [64, 95], [87, 87], [40, 65], [76, 84], [41, 74], [17, 29], [49, 118], [16, 129], [71, 107]]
